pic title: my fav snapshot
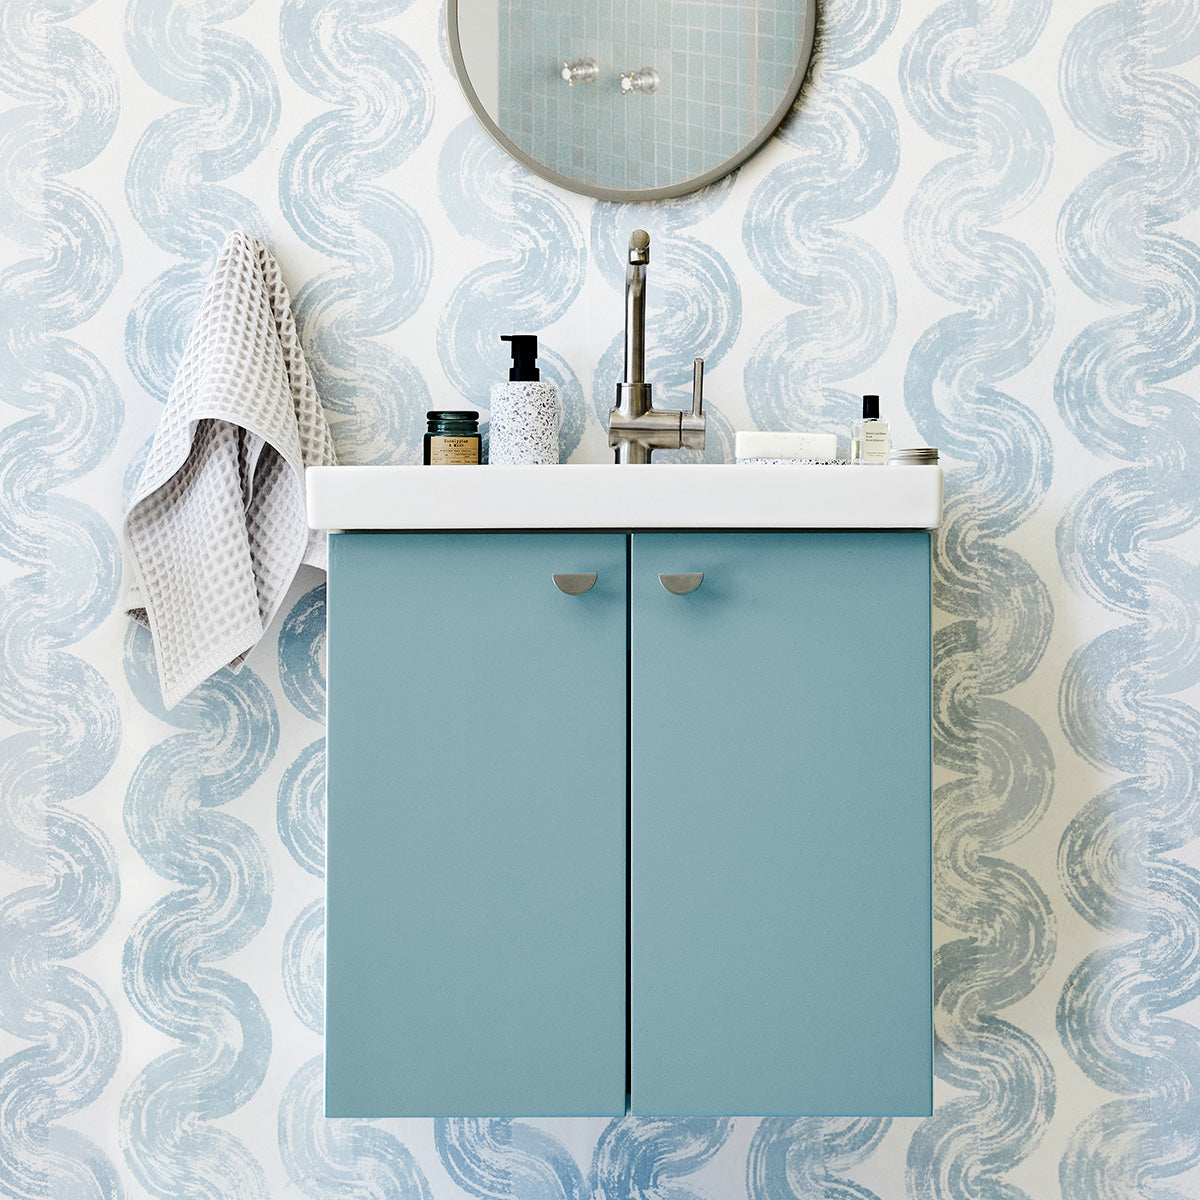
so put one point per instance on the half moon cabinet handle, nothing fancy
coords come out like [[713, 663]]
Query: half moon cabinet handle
[[574, 585], [680, 585]]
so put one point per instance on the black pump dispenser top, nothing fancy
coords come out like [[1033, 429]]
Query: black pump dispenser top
[[524, 356], [870, 408]]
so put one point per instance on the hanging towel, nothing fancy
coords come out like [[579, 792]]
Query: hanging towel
[[216, 528]]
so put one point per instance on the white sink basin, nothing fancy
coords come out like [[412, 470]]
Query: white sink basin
[[605, 496]]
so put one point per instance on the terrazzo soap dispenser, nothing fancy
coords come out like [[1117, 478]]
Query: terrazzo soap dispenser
[[524, 419]]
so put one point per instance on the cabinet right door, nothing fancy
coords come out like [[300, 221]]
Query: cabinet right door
[[780, 924]]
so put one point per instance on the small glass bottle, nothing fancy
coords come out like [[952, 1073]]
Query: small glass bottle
[[453, 439], [869, 435]]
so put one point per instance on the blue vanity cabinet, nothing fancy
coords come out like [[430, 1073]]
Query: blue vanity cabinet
[[475, 958], [780, 921], [767, 738]]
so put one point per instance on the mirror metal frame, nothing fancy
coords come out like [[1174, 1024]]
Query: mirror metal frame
[[634, 195]]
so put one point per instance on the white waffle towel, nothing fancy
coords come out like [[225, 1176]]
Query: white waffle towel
[[216, 527]]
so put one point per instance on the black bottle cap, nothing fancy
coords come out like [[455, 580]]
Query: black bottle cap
[[870, 408], [524, 356]]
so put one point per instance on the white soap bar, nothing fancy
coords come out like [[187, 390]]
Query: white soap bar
[[759, 443]]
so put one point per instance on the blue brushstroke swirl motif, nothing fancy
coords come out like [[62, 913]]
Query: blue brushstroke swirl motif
[[1000, 465], [533, 272], [382, 107], [793, 1158], [325, 1158], [650, 1158], [300, 807], [227, 111], [496, 1158], [844, 146], [1121, 699], [61, 574], [175, 819], [693, 309], [354, 1160]]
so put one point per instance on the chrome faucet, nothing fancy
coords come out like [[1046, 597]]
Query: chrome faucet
[[635, 427]]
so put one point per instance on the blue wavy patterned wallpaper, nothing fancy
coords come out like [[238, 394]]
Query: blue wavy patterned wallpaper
[[985, 210]]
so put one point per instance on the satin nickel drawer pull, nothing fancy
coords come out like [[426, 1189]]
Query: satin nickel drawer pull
[[680, 585], [574, 585]]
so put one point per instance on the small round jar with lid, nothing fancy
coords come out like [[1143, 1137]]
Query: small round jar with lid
[[453, 439], [915, 456]]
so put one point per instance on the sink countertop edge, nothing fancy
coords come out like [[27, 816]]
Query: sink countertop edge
[[603, 496]]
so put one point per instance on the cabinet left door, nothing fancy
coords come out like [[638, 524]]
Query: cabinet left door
[[475, 955]]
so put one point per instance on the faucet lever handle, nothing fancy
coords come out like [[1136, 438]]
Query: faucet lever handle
[[691, 424]]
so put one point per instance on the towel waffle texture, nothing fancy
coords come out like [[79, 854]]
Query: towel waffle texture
[[216, 527]]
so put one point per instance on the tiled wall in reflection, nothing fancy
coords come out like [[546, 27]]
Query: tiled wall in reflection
[[723, 70]]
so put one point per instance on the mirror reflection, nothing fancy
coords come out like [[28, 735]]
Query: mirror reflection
[[631, 98]]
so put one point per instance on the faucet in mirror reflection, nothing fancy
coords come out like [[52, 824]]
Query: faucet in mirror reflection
[[581, 70], [643, 82], [635, 427]]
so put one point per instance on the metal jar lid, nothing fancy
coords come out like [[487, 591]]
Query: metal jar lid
[[915, 456]]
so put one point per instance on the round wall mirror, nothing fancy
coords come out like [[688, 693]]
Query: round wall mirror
[[631, 99]]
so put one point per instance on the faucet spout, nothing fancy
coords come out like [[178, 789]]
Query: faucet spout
[[635, 308], [635, 427]]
